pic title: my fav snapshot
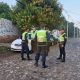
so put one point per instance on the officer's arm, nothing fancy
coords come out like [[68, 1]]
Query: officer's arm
[[26, 37], [48, 36]]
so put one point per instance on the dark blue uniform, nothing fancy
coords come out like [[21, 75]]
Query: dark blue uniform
[[41, 51], [62, 49], [25, 48]]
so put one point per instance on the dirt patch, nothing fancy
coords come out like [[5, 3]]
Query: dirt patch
[[5, 52]]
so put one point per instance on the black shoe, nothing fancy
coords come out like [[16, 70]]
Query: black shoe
[[23, 58], [36, 64], [58, 58], [31, 51], [62, 60], [45, 66], [29, 59]]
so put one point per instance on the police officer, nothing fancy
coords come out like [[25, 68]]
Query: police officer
[[25, 48], [41, 38], [62, 42]]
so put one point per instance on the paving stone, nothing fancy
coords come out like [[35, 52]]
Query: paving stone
[[13, 68]]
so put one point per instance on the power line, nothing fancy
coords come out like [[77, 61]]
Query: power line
[[70, 15], [74, 13]]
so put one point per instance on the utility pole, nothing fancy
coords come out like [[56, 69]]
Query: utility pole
[[77, 32], [74, 31], [67, 28]]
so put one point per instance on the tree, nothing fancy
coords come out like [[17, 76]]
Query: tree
[[37, 12], [5, 11]]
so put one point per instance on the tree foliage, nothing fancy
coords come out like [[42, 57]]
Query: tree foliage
[[5, 11], [37, 12]]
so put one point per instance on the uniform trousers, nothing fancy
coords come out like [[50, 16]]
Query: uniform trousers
[[41, 51], [62, 51], [25, 49]]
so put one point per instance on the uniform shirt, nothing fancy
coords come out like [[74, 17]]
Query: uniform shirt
[[47, 37], [24, 36]]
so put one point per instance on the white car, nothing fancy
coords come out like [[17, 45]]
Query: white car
[[16, 45], [56, 33]]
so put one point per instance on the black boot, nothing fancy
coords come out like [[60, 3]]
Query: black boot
[[23, 58], [59, 58], [28, 57], [63, 60], [44, 65]]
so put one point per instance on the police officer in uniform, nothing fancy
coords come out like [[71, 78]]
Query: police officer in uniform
[[41, 38], [25, 48], [62, 42]]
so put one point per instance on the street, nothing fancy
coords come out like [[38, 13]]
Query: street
[[13, 68]]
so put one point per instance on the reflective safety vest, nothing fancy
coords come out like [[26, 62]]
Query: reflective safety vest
[[33, 34], [24, 35], [29, 35], [41, 36], [61, 38]]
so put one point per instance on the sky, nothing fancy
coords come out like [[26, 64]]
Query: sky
[[9, 2], [71, 9]]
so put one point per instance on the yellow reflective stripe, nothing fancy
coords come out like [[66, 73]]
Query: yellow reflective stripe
[[23, 35], [61, 38], [33, 34]]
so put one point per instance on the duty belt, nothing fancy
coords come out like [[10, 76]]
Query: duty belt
[[41, 43]]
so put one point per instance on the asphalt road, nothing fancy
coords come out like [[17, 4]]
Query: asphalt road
[[13, 68]]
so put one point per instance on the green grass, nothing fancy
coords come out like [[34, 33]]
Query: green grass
[[4, 49]]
